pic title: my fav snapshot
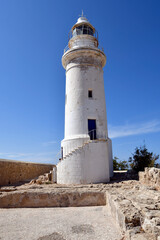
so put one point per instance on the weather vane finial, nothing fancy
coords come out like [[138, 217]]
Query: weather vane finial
[[82, 12]]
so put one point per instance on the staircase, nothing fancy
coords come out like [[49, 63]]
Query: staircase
[[93, 136], [82, 164], [81, 147], [76, 149]]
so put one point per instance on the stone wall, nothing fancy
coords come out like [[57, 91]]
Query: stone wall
[[15, 171], [151, 176]]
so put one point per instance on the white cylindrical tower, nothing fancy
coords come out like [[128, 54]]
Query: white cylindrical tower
[[86, 148]]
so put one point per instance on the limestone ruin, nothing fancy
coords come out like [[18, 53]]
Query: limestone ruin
[[134, 205]]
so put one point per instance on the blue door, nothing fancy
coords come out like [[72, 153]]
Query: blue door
[[92, 128]]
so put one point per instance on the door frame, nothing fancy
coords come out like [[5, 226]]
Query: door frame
[[92, 133]]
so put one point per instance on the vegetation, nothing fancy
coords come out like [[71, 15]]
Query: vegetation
[[119, 165], [143, 158]]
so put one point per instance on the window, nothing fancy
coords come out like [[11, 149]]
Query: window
[[83, 29], [90, 93]]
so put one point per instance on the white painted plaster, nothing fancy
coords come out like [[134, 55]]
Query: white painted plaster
[[87, 165], [84, 64]]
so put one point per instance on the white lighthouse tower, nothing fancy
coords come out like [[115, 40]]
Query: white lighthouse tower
[[86, 150]]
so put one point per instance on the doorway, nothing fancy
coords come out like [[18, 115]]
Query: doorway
[[92, 129]]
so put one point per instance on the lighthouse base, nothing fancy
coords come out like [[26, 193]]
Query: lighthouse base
[[91, 163]]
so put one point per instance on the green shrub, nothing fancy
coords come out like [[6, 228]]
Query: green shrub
[[142, 158]]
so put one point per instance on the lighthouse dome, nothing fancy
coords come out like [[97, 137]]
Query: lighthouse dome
[[82, 19]]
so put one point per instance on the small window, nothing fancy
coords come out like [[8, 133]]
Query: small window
[[90, 93]]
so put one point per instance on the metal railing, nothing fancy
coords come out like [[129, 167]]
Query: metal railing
[[58, 156], [92, 135], [97, 135], [72, 146], [77, 45]]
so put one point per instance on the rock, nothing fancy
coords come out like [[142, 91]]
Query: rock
[[151, 177], [8, 189], [39, 181], [46, 178], [32, 181]]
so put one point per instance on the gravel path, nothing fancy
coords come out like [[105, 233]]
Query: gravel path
[[83, 223]]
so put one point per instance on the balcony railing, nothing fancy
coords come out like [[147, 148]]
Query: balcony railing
[[77, 45]]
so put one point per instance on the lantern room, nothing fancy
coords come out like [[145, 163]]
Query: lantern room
[[81, 32]]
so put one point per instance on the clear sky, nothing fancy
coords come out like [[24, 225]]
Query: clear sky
[[33, 34]]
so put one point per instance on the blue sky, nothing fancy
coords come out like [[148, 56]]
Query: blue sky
[[32, 79]]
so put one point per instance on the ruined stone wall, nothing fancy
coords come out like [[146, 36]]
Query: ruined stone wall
[[15, 171], [151, 176]]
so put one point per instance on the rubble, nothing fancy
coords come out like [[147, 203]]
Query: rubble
[[151, 177], [46, 178]]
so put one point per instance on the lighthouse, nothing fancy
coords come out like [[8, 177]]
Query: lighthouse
[[86, 150]]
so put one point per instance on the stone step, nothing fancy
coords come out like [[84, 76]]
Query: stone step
[[75, 150]]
